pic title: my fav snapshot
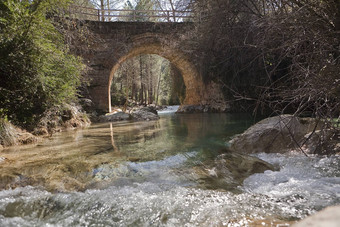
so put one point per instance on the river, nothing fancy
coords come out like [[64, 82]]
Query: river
[[139, 174]]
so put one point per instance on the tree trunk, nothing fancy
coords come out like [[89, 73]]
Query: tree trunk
[[150, 91], [158, 85], [102, 9], [141, 94], [133, 88], [108, 7]]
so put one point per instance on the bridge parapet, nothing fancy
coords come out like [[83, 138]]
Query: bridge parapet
[[127, 15]]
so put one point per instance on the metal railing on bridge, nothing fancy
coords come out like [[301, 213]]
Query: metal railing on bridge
[[112, 15]]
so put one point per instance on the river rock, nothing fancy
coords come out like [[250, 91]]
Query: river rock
[[273, 135], [87, 104], [152, 109], [329, 217], [119, 116], [228, 170], [145, 114]]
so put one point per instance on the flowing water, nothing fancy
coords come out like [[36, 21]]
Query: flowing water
[[139, 174]]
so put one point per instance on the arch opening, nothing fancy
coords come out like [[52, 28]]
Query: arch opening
[[147, 79], [179, 62]]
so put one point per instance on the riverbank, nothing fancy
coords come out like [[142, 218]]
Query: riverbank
[[54, 120]]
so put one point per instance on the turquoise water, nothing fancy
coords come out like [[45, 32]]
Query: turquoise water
[[141, 174]]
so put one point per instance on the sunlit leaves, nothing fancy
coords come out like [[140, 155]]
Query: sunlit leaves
[[36, 70]]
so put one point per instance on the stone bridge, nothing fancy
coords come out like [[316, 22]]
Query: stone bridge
[[116, 42]]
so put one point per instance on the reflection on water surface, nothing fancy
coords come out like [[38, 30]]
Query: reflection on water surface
[[68, 160]]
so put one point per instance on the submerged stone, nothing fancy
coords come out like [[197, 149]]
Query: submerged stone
[[229, 170]]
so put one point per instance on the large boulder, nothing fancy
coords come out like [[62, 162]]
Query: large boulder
[[274, 135]]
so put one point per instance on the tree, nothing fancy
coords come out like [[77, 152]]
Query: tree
[[147, 79], [280, 55], [36, 70], [104, 7], [140, 9], [174, 6]]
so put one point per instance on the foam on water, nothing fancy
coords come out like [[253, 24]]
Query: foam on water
[[145, 204], [302, 186], [309, 183], [168, 110]]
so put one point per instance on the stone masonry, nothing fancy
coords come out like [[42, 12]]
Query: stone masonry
[[115, 42]]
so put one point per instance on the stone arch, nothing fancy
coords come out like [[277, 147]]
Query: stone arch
[[191, 77]]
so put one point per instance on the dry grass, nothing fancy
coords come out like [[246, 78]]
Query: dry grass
[[8, 133]]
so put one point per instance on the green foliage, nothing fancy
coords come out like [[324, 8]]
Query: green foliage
[[36, 70]]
